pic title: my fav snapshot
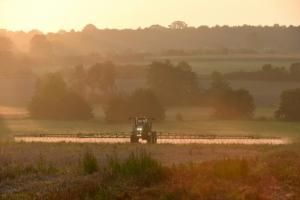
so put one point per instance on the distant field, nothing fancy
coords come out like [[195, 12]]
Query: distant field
[[230, 63]]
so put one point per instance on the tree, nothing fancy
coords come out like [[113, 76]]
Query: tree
[[101, 77], [235, 104], [173, 85], [142, 102], [289, 107], [178, 25], [218, 89], [53, 100], [8, 60], [117, 109], [77, 80], [295, 68], [39, 45], [157, 27], [6, 45], [295, 71], [219, 83], [229, 103], [90, 28]]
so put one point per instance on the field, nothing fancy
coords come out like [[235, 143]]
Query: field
[[195, 121], [228, 63], [73, 171]]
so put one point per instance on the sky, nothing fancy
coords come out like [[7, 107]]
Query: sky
[[54, 15]]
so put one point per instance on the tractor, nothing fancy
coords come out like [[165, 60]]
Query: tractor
[[142, 129]]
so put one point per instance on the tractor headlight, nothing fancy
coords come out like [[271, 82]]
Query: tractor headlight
[[139, 129]]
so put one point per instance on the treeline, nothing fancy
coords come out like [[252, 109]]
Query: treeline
[[156, 38], [22, 51], [73, 95], [268, 72]]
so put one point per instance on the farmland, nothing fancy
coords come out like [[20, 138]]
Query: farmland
[[106, 171], [122, 171], [195, 121]]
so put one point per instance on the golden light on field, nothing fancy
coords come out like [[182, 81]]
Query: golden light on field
[[52, 15]]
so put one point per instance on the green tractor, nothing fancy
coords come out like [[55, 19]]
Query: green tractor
[[142, 129]]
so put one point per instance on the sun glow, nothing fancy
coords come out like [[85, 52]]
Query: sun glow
[[52, 15]]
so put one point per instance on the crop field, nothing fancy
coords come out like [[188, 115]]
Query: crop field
[[209, 127], [122, 171], [195, 121]]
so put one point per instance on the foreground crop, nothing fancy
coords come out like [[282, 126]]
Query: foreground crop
[[36, 171]]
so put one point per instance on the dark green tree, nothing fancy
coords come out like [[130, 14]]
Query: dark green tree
[[117, 109], [229, 103], [218, 83], [77, 80], [40, 45], [173, 85], [101, 77], [53, 100], [142, 102], [295, 71], [289, 107], [235, 104], [178, 25], [218, 89]]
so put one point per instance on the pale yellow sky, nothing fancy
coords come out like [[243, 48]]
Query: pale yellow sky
[[52, 15]]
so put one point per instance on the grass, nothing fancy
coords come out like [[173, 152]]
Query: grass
[[131, 172], [89, 163], [139, 166]]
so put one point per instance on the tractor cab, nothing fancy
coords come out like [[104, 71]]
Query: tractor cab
[[142, 129], [142, 124]]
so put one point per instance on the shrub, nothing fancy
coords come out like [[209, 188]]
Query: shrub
[[89, 163], [139, 166], [231, 169], [42, 166]]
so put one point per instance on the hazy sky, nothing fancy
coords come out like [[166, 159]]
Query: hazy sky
[[52, 15]]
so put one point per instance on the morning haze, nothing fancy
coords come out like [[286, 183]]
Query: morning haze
[[149, 99], [47, 15]]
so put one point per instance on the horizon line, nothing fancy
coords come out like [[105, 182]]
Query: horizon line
[[68, 30]]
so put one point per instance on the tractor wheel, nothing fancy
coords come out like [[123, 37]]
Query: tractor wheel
[[152, 139], [154, 136], [134, 139]]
